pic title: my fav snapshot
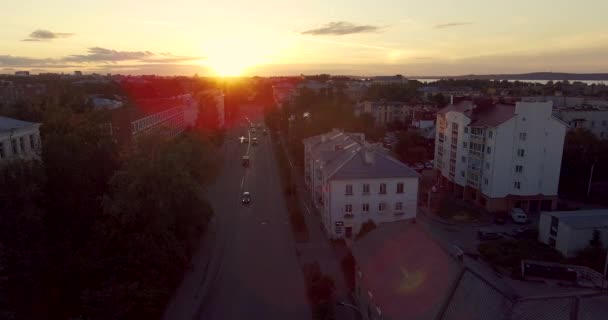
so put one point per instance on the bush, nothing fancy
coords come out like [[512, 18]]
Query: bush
[[509, 253]]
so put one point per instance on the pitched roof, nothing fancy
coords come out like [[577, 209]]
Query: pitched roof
[[461, 106], [492, 116], [382, 166], [6, 124]]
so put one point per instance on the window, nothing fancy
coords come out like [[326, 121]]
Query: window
[[365, 188], [349, 189], [454, 126], [381, 206], [522, 136], [519, 168], [32, 142], [490, 134], [487, 166], [462, 174], [1, 150], [464, 159], [489, 149], [454, 140], [466, 129], [517, 185], [464, 145], [365, 207], [15, 147], [521, 153], [485, 181], [399, 206], [383, 188], [348, 208], [400, 187]]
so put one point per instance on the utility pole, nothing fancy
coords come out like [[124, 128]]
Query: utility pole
[[590, 178]]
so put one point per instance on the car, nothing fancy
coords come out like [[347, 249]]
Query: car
[[418, 166], [264, 132], [525, 233], [519, 216], [246, 161], [500, 218], [245, 140], [428, 165], [486, 234], [252, 130], [246, 197], [254, 141]]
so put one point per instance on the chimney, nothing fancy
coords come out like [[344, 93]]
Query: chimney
[[368, 157]]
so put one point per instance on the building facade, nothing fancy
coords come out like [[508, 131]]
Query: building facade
[[353, 182], [19, 140], [570, 231], [384, 112], [594, 119], [500, 156]]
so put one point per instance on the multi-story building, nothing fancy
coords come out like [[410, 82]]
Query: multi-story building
[[500, 156], [571, 231], [594, 119], [353, 182], [384, 112], [19, 140]]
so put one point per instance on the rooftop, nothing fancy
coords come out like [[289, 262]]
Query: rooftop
[[379, 165], [6, 124], [582, 219]]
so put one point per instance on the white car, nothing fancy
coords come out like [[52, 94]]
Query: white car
[[519, 216]]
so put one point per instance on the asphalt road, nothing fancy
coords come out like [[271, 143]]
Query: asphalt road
[[247, 268]]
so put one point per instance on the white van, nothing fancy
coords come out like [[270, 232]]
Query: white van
[[519, 216]]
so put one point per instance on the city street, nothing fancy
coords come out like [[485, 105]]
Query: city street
[[247, 267]]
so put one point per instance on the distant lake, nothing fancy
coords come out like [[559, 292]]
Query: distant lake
[[588, 82]]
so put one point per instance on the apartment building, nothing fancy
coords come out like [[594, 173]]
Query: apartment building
[[353, 182], [384, 112], [500, 156], [594, 119], [19, 140], [571, 231]]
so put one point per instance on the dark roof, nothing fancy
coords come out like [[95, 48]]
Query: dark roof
[[6, 124], [382, 166], [407, 272], [461, 106], [492, 115]]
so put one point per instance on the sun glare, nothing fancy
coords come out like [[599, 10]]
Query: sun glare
[[236, 55]]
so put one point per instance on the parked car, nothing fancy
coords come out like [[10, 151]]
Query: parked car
[[246, 198], [525, 233], [485, 234], [428, 164], [519, 216], [418, 166], [255, 141], [500, 218], [245, 161]]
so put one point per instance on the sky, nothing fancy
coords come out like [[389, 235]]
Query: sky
[[271, 37]]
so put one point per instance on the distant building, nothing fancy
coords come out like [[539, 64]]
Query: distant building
[[594, 119], [19, 140], [384, 112], [318, 87], [428, 92], [500, 156], [571, 231], [78, 73], [397, 79], [353, 182], [22, 73], [282, 93]]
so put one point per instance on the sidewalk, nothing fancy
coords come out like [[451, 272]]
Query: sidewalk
[[318, 248]]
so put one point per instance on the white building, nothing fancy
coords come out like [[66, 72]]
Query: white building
[[19, 140], [594, 119], [353, 182], [571, 231], [384, 112], [501, 156]]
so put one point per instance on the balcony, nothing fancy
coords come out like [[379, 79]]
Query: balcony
[[475, 154], [473, 184], [477, 138]]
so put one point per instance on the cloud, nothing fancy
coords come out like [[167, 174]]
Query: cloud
[[452, 24], [341, 28], [25, 62], [166, 57], [46, 35], [98, 54]]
